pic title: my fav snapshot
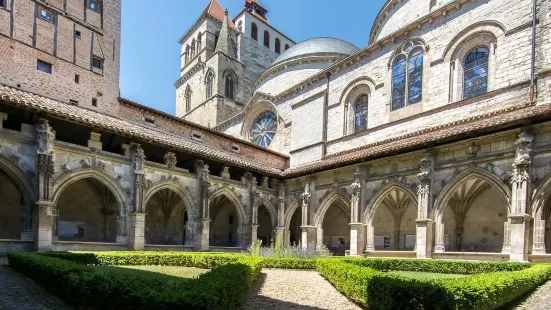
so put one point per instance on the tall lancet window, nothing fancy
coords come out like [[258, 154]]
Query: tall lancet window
[[188, 98], [209, 81], [476, 73], [407, 75], [267, 39], [230, 86], [360, 113], [254, 32]]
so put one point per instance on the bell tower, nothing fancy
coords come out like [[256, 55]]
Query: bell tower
[[254, 7]]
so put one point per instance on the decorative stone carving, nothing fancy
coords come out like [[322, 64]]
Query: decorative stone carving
[[170, 160], [473, 149], [100, 166], [84, 164], [46, 137]]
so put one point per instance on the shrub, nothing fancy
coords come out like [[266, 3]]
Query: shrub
[[224, 287], [360, 280], [437, 266], [275, 249]]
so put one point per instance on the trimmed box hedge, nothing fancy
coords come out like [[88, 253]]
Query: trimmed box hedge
[[83, 286], [489, 286], [183, 259]]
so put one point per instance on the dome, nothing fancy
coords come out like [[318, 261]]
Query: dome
[[317, 46]]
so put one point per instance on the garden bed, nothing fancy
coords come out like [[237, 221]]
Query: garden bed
[[77, 279], [429, 284]]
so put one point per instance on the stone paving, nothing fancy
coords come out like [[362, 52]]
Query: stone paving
[[291, 289], [18, 292], [540, 299]]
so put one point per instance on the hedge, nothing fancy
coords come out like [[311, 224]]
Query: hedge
[[82, 286], [376, 289], [183, 259], [436, 266]]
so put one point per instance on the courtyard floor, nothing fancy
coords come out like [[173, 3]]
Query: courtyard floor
[[276, 289], [21, 293]]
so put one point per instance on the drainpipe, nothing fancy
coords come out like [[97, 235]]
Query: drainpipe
[[533, 60], [325, 108]]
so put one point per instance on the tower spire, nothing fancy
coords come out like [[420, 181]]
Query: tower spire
[[225, 41]]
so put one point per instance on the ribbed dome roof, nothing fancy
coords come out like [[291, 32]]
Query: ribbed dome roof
[[318, 46]]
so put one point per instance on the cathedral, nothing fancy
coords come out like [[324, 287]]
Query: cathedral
[[434, 141]]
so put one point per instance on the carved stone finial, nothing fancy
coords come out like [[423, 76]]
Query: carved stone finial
[[426, 166], [170, 160]]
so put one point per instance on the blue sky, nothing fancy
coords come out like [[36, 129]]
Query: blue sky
[[150, 53]]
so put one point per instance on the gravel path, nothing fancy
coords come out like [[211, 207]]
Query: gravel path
[[290, 289], [18, 292], [540, 299]]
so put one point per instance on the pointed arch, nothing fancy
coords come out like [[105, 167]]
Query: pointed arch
[[230, 83], [539, 198], [254, 31], [289, 212], [236, 201], [116, 189], [334, 197], [177, 188], [209, 82], [187, 96], [379, 197], [444, 197], [271, 210], [20, 180]]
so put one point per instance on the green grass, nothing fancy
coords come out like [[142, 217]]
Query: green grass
[[425, 275], [181, 272]]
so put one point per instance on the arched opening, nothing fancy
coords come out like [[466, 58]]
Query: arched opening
[[224, 223], [473, 217], [394, 223], [166, 219], [265, 230], [254, 31], [88, 212], [11, 208], [475, 72], [295, 232], [336, 228]]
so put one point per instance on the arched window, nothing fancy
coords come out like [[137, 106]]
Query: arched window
[[475, 77], [192, 48], [267, 39], [230, 86], [360, 113], [407, 76], [209, 82], [254, 32], [199, 43], [187, 54], [188, 98], [277, 46], [287, 46], [240, 26]]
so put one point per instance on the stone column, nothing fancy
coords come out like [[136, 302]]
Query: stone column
[[46, 209], [370, 238], [47, 218], [519, 220], [357, 228], [203, 176], [136, 238], [280, 230], [424, 227], [309, 233], [136, 229], [253, 198]]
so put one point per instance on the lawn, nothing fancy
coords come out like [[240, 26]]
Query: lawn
[[425, 275], [181, 272]]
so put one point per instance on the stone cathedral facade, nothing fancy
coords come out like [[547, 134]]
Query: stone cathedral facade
[[434, 141]]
